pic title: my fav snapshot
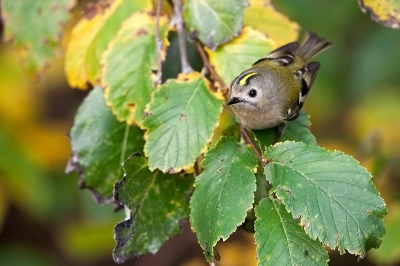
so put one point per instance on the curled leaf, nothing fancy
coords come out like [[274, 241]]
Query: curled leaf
[[385, 12], [156, 205]]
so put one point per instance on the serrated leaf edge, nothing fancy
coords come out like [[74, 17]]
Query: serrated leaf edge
[[181, 80], [339, 153], [212, 149], [110, 46]]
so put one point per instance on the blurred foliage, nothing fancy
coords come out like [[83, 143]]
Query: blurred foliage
[[354, 107]]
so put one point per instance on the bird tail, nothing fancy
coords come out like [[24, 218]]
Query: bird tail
[[312, 45]]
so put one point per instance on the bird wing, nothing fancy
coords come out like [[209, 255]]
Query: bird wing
[[306, 75], [282, 56]]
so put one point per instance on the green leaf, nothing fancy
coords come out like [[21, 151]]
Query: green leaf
[[128, 64], [100, 144], [90, 36], [214, 22], [182, 118], [232, 58], [20, 253], [281, 241], [224, 193], [330, 192], [296, 130], [156, 204], [36, 28], [385, 12]]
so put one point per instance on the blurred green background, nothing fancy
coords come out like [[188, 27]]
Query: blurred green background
[[46, 220]]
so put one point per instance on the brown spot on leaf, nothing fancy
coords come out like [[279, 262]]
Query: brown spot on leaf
[[54, 8], [92, 9], [183, 117], [141, 32], [298, 217], [151, 13], [289, 192], [46, 41], [268, 161], [219, 170], [301, 224]]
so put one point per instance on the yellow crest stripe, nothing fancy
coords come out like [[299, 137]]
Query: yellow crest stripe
[[243, 81]]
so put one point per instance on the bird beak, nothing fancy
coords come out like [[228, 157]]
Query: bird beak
[[233, 100]]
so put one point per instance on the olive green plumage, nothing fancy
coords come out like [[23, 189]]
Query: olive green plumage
[[274, 89]]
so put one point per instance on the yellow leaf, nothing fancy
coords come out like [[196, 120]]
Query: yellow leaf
[[47, 144], [385, 12], [91, 35], [108, 32], [262, 16], [17, 99], [81, 37], [166, 7], [377, 115]]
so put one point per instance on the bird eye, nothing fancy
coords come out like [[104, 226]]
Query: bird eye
[[252, 93]]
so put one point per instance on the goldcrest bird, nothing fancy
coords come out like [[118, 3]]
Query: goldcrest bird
[[274, 89]]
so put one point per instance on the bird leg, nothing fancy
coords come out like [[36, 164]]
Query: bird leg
[[281, 131]]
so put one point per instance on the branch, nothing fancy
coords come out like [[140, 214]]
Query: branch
[[158, 79], [247, 138], [186, 68], [204, 57]]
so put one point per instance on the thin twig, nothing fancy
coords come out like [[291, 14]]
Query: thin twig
[[247, 138], [186, 68], [158, 79], [206, 62]]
